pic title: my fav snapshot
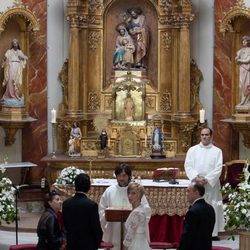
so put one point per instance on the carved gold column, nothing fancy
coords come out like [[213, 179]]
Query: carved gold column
[[73, 73], [184, 71]]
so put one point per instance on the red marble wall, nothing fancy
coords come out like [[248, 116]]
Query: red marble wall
[[224, 136], [34, 137]]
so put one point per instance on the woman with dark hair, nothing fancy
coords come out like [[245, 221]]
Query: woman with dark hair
[[50, 234]]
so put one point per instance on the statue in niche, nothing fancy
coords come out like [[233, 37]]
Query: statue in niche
[[13, 63], [129, 108], [124, 49], [138, 29], [243, 59], [75, 140]]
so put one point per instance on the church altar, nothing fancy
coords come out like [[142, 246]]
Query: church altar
[[167, 201]]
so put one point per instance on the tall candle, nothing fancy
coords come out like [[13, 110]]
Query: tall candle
[[202, 115], [53, 116]]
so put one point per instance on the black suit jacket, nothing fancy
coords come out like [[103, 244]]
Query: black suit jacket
[[198, 227], [81, 222]]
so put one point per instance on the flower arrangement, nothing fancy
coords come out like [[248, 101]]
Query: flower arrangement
[[7, 199], [237, 209], [68, 175]]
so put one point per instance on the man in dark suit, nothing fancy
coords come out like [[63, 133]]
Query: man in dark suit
[[81, 218], [199, 221]]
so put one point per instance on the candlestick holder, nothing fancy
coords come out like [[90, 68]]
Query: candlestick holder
[[53, 140]]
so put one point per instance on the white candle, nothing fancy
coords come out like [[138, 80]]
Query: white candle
[[53, 116], [202, 115], [145, 141]]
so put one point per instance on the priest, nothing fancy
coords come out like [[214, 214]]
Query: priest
[[203, 164], [116, 196]]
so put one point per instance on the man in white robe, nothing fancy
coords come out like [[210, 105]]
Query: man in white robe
[[116, 196], [204, 164]]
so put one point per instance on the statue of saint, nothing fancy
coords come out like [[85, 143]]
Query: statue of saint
[[157, 139], [124, 49], [75, 140], [13, 63], [138, 29], [129, 108], [243, 59], [103, 139]]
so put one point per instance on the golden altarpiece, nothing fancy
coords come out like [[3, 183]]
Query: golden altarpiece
[[164, 86]]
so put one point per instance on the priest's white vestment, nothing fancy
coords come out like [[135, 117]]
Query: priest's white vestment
[[206, 161], [116, 196]]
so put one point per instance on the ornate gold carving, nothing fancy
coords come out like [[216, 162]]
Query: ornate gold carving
[[170, 148], [63, 76], [74, 20], [186, 131], [177, 19], [101, 122], [195, 79], [94, 101], [65, 126], [94, 39], [165, 103], [166, 40], [150, 102], [238, 10], [94, 5], [19, 10], [166, 6], [108, 103]]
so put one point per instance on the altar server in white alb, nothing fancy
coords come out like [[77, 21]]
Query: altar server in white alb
[[116, 196], [204, 165]]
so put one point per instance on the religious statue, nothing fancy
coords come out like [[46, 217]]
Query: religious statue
[[13, 63], [157, 146], [138, 29], [124, 49], [103, 139], [75, 140], [243, 59], [157, 139], [129, 108]]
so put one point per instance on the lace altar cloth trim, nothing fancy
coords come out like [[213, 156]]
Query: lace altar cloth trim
[[163, 198]]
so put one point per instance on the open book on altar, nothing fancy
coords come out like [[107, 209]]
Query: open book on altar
[[117, 214]]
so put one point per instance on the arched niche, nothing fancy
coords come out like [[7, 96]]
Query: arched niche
[[17, 22], [112, 17]]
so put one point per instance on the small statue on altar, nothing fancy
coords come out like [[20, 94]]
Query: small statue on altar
[[129, 108], [14, 62], [71, 150], [157, 139], [103, 139], [75, 140]]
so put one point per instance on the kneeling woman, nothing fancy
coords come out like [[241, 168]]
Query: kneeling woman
[[137, 232], [49, 231]]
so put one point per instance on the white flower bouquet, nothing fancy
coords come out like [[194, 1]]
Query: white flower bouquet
[[237, 209], [7, 200], [68, 175]]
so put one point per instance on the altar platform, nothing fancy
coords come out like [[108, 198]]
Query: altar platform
[[168, 203], [104, 167]]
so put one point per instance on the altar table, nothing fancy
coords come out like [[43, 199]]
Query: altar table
[[168, 203]]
